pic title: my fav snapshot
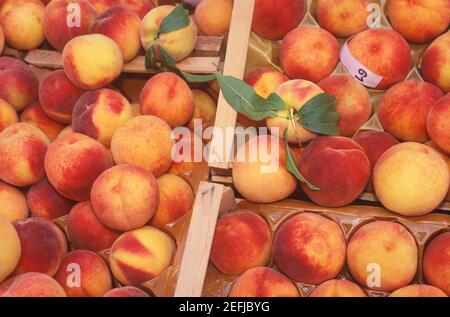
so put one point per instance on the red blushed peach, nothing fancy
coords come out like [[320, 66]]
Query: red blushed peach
[[122, 26], [140, 7], [338, 167], [431, 18], [418, 290], [435, 66], [34, 115], [58, 96], [263, 282], [146, 142], [436, 259], [33, 284], [241, 242], [438, 123], [213, 17], [22, 152], [272, 19], [382, 256], [94, 276], [408, 123], [353, 102], [13, 204], [384, 52], [8, 115], [127, 291], [125, 197], [309, 53], [9, 250], [204, 109], [343, 18], [168, 97], [337, 288], [45, 202], [92, 61], [99, 113], [309, 248], [73, 163], [140, 255], [86, 232], [101, 6], [43, 246], [259, 171], [57, 15]]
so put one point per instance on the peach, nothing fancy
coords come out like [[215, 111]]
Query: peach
[[259, 171], [101, 6], [343, 18], [179, 44], [60, 24], [411, 179], [185, 154], [408, 123], [213, 17], [85, 231], [66, 131], [168, 97], [146, 142], [435, 66], [45, 202], [140, 255], [431, 18], [8, 115], [13, 204], [9, 249], [263, 282], [22, 151], [204, 109], [438, 123], [43, 246], [295, 93], [338, 166], [309, 53], [99, 113], [127, 291], [84, 274], [8, 5], [175, 199], [337, 288], [436, 259], [34, 284], [418, 290], [273, 19], [309, 248], [34, 115], [2, 40], [92, 61], [444, 156], [73, 163], [384, 52], [140, 7], [122, 26], [382, 256]]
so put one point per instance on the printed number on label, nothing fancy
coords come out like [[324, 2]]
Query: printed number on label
[[362, 75]]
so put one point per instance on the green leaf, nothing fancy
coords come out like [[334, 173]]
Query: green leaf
[[274, 103], [167, 61], [150, 58], [193, 78], [291, 164], [319, 115], [177, 19]]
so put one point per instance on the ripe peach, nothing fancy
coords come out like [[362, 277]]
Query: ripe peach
[[213, 17], [204, 109], [140, 7], [144, 141], [408, 123], [444, 156], [101, 6], [179, 44], [73, 163], [9, 249], [8, 5], [338, 166], [127, 291], [337, 288], [34, 115], [60, 24], [382, 255], [353, 102], [22, 151], [418, 290], [309, 53], [436, 261], [438, 123], [86, 232], [140, 255], [43, 246], [34, 284], [309, 248], [94, 278], [431, 18], [92, 61], [272, 19], [411, 179], [8, 115], [436, 63], [259, 171], [263, 282], [168, 97], [13, 204]]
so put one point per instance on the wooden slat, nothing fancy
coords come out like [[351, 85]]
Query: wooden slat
[[209, 44]]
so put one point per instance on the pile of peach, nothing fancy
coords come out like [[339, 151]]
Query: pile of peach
[[309, 255]]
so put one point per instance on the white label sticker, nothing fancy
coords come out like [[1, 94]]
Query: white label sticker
[[358, 71]]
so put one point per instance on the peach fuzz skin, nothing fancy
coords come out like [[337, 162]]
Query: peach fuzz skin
[[435, 262], [13, 204], [213, 17]]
